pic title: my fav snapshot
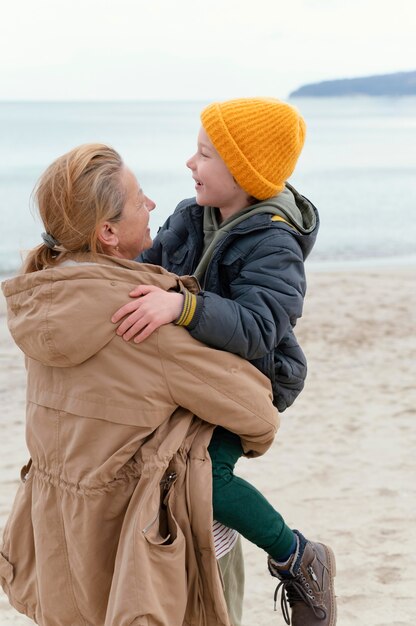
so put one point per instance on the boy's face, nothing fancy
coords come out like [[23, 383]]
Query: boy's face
[[215, 185]]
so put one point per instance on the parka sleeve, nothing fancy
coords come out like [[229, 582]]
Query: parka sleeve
[[219, 387], [266, 298]]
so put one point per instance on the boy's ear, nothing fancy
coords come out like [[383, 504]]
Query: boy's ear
[[107, 235]]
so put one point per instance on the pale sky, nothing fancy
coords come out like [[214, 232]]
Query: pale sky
[[189, 49]]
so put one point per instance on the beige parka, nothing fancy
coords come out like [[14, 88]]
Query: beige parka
[[112, 522]]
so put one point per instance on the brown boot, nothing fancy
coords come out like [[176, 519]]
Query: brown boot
[[307, 583]]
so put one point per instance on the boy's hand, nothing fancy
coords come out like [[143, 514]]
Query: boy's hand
[[152, 308]]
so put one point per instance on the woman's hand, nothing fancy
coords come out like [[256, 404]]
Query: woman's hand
[[151, 308]]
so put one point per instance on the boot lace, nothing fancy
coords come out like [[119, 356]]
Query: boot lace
[[293, 591]]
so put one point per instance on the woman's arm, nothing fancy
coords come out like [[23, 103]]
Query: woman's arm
[[219, 387]]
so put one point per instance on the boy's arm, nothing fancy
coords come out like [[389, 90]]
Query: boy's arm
[[265, 299], [154, 254], [220, 388]]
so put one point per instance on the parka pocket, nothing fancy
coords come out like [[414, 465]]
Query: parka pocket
[[18, 575], [22, 596], [162, 529], [6, 570]]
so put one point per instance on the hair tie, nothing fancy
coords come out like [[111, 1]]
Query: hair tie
[[50, 241]]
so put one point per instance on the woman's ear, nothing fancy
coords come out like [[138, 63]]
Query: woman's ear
[[107, 235]]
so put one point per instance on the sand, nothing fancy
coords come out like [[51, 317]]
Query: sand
[[342, 468]]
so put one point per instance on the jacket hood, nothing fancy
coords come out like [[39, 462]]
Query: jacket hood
[[292, 211], [297, 210], [289, 208], [61, 316], [290, 205]]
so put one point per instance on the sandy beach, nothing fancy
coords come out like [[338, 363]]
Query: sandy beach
[[342, 468]]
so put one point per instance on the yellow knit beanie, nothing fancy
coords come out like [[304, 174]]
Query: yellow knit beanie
[[259, 139]]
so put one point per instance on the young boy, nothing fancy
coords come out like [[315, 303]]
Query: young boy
[[245, 237]]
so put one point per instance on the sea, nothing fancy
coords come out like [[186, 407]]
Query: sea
[[358, 167]]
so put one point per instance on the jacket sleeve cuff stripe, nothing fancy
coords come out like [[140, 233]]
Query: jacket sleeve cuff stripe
[[188, 310]]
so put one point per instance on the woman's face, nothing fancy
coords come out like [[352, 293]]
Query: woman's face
[[132, 229]]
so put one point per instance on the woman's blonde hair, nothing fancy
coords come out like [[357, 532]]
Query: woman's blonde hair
[[77, 192]]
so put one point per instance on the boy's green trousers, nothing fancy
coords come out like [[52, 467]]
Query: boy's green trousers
[[239, 505]]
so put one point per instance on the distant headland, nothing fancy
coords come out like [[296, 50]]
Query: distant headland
[[398, 84]]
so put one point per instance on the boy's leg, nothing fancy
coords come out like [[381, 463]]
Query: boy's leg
[[239, 505], [306, 570]]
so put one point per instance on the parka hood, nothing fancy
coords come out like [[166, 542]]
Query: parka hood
[[52, 316]]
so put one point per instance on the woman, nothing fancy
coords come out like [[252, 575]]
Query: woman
[[111, 524]]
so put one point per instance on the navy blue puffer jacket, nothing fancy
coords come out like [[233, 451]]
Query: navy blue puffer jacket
[[254, 285]]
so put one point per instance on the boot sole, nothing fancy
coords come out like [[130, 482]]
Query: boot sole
[[332, 568]]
